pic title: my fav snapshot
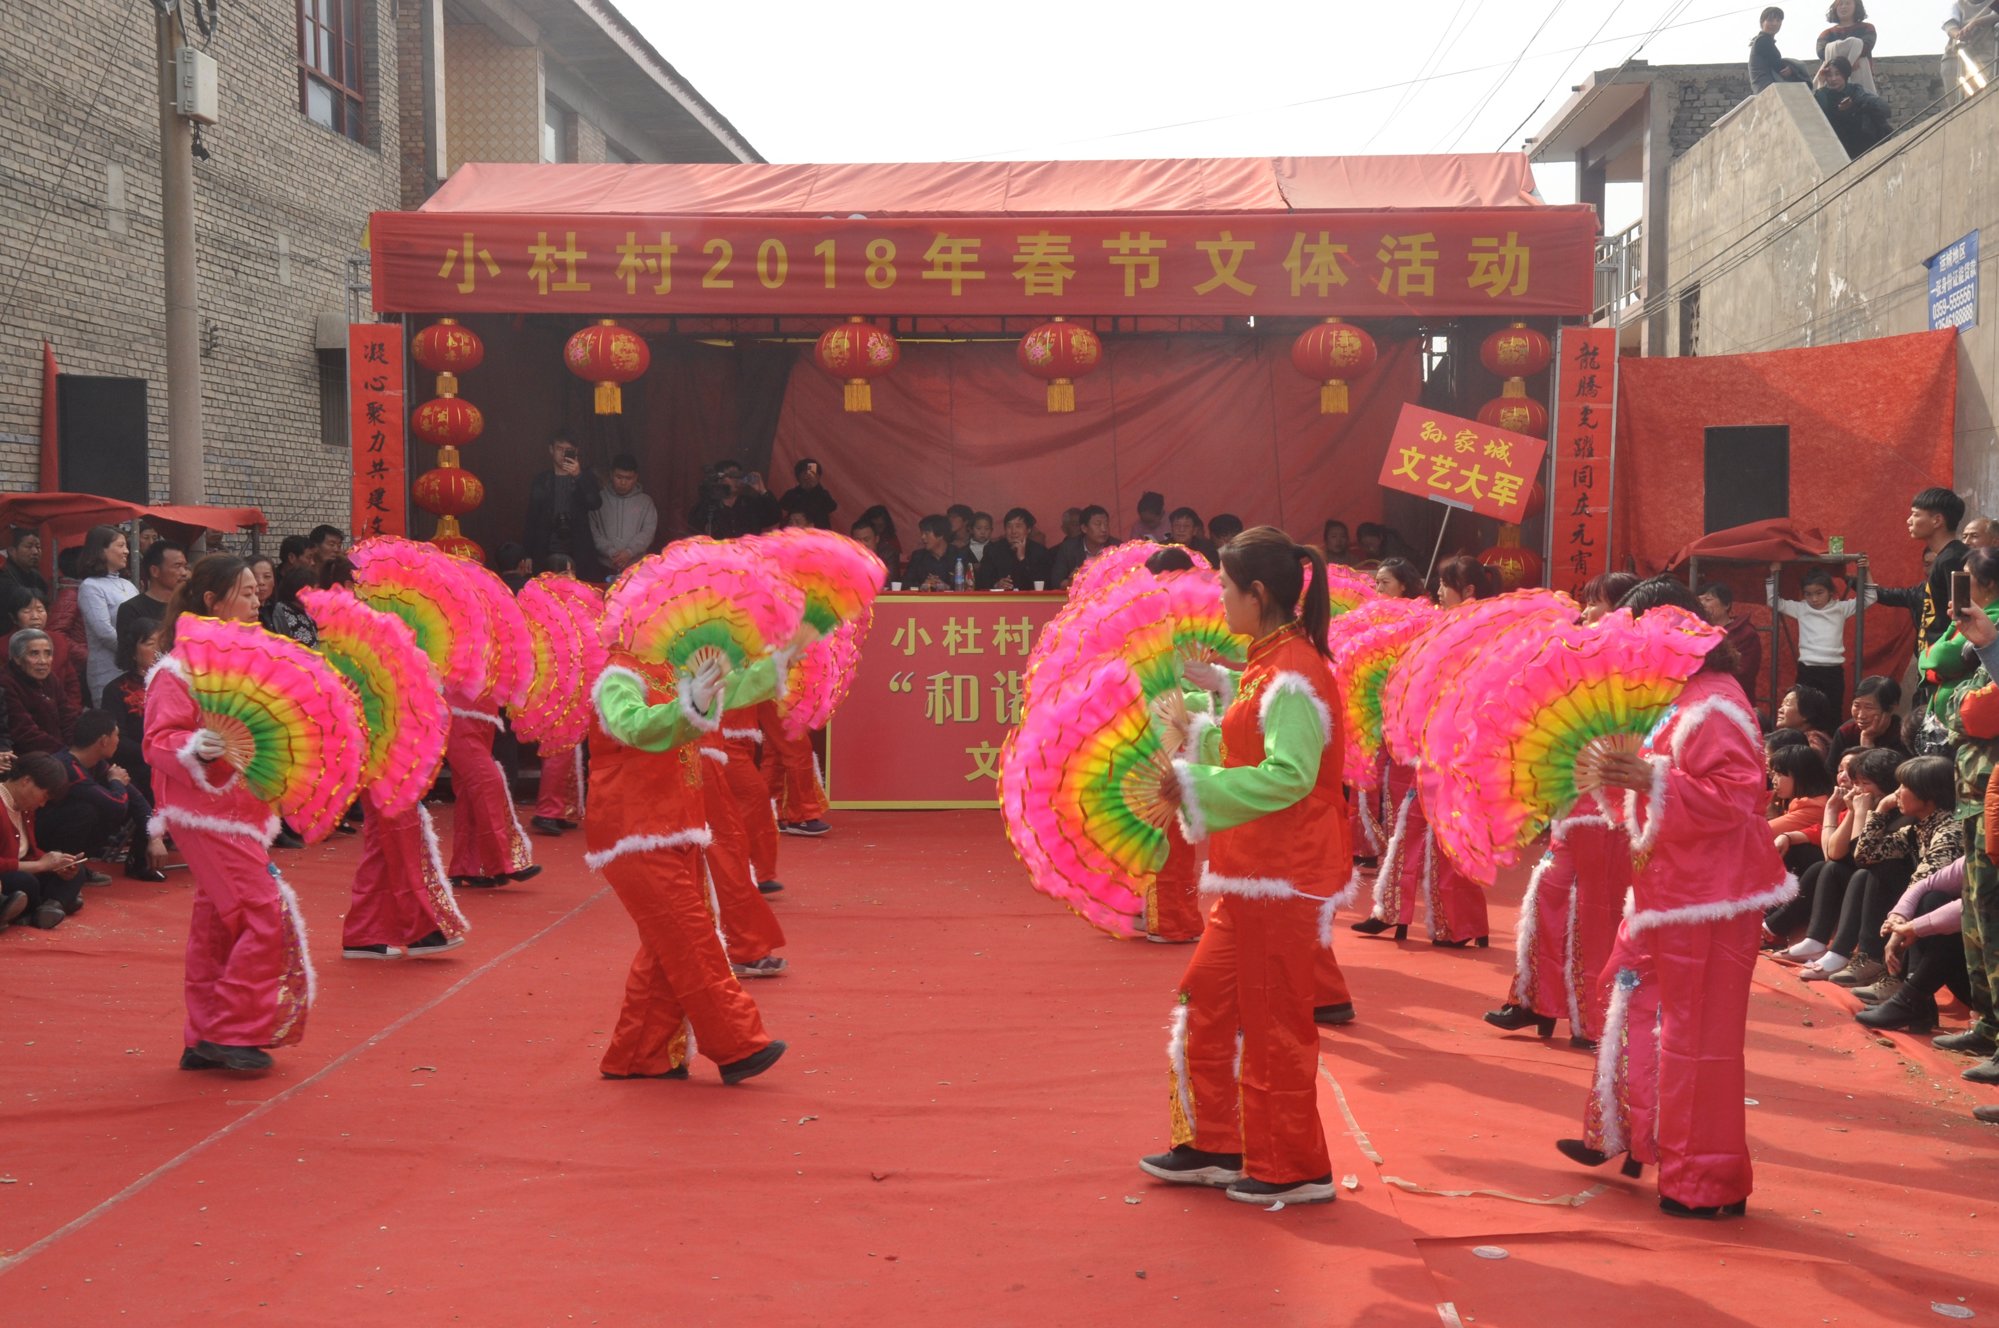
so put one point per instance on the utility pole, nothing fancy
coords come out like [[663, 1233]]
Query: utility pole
[[185, 482]]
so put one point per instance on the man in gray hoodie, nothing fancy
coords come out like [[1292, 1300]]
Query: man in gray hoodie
[[623, 527]]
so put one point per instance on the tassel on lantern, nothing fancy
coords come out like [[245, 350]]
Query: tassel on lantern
[[610, 399], [1062, 397], [860, 395], [1333, 398]]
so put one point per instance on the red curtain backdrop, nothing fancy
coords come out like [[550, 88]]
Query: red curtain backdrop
[[1872, 422], [1216, 423]]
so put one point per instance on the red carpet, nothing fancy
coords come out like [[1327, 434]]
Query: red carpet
[[972, 1072]]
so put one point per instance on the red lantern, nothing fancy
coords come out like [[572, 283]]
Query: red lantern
[[857, 350], [1517, 566], [1515, 352], [448, 491], [609, 356], [447, 348], [1521, 414], [454, 542], [1335, 353], [1059, 352], [447, 422]]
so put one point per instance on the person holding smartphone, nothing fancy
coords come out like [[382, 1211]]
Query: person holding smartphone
[[35, 887], [560, 502]]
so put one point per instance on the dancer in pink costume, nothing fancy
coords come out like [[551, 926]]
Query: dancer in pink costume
[[1669, 1083], [1413, 867], [1568, 925]]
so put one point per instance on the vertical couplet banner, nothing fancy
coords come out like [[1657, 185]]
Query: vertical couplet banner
[[1583, 450], [937, 690], [375, 423]]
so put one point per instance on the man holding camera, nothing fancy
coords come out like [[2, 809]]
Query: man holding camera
[[560, 502], [733, 504]]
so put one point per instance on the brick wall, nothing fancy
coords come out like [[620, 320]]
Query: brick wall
[[493, 98], [78, 97], [1702, 94]]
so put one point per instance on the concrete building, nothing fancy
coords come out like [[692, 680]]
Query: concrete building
[[1778, 241], [329, 110], [1627, 126]]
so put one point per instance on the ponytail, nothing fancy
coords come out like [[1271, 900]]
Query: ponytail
[[1293, 575]]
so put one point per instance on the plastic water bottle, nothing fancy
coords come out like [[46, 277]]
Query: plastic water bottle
[[958, 575]]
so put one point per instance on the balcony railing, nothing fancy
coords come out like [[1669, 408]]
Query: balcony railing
[[1620, 275]]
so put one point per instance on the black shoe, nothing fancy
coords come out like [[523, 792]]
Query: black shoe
[[1970, 1040], [371, 952], [1369, 927], [477, 882], [1332, 1016], [1481, 942], [345, 828], [190, 1059], [770, 887], [546, 825], [13, 906], [286, 839], [435, 943], [1512, 1018], [677, 1072], [143, 871], [1578, 1151], [569, 825], [1186, 1165], [1674, 1208], [752, 1065], [810, 829], [1288, 1193], [1581, 1043], [233, 1058], [524, 874], [1985, 1072], [47, 916], [1904, 1012], [93, 877]]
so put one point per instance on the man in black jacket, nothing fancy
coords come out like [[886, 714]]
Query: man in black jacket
[[560, 502], [734, 504], [1016, 562]]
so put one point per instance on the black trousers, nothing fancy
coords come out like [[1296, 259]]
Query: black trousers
[[1936, 962], [1788, 917], [1828, 678], [1847, 918]]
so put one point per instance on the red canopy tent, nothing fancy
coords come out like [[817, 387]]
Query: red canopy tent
[[1197, 273], [63, 518]]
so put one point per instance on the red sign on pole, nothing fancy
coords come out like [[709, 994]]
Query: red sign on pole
[[938, 688], [375, 429], [1462, 463], [1585, 449]]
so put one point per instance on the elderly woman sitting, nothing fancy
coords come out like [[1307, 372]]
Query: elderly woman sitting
[[39, 710]]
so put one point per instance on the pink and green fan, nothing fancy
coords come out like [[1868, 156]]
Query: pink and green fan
[[1576, 689], [1113, 563], [508, 644], [701, 601], [1347, 590], [1081, 791], [1153, 623], [402, 703], [1366, 646], [426, 588], [820, 677], [838, 578], [1427, 670], [554, 714], [288, 722]]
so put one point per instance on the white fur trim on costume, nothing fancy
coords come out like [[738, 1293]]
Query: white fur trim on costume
[[1718, 910], [197, 769], [1326, 912], [1569, 985], [582, 782], [1231, 683], [1192, 823], [522, 847], [1391, 857], [434, 852], [631, 844], [716, 754], [1246, 887], [1370, 828], [1281, 684], [744, 735], [297, 918], [1176, 1056], [1560, 829], [1644, 836], [166, 818], [781, 660], [706, 723], [1609, 1048], [1726, 709], [1198, 725], [714, 905], [478, 716], [1529, 924], [1430, 876], [1349, 892]]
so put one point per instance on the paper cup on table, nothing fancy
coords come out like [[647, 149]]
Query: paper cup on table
[[895, 585], [1041, 585]]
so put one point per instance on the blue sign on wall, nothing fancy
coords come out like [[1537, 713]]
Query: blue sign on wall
[[1954, 285]]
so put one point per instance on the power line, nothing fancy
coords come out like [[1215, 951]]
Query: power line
[[1508, 137], [1429, 66], [1471, 111]]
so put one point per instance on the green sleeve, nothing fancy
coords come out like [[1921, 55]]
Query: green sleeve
[[1294, 739], [758, 682], [628, 717]]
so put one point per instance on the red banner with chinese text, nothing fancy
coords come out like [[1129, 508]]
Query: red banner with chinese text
[[1474, 261], [937, 689], [1585, 434], [1463, 463], [375, 429]]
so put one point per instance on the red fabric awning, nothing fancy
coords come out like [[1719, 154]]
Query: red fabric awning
[[1760, 541], [63, 517], [1006, 188]]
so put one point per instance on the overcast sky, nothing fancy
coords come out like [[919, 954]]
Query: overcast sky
[[929, 80]]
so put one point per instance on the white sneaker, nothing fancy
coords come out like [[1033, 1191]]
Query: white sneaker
[[1805, 951]]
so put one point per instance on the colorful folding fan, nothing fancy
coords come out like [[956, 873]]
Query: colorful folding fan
[[427, 588], [402, 702], [700, 601], [837, 576], [561, 633]]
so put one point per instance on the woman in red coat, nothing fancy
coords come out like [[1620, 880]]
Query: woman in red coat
[[39, 712], [1263, 788]]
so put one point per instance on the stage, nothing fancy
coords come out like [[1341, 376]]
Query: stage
[[950, 1139]]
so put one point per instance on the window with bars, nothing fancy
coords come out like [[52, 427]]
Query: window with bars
[[330, 64]]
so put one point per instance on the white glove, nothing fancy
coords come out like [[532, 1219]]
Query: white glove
[[1202, 674], [208, 745], [705, 687]]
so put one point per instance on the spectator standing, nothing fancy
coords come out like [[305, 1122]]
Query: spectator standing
[[1852, 37], [106, 554], [1151, 524], [1934, 516], [1975, 724], [1766, 66], [1016, 562], [39, 712], [1857, 116], [266, 573], [959, 517], [1398, 578], [1978, 533], [1718, 601], [808, 495], [1091, 540], [24, 561], [161, 570], [560, 501], [124, 698], [1972, 28], [625, 522], [733, 503], [288, 616], [1822, 622], [323, 544], [888, 545]]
